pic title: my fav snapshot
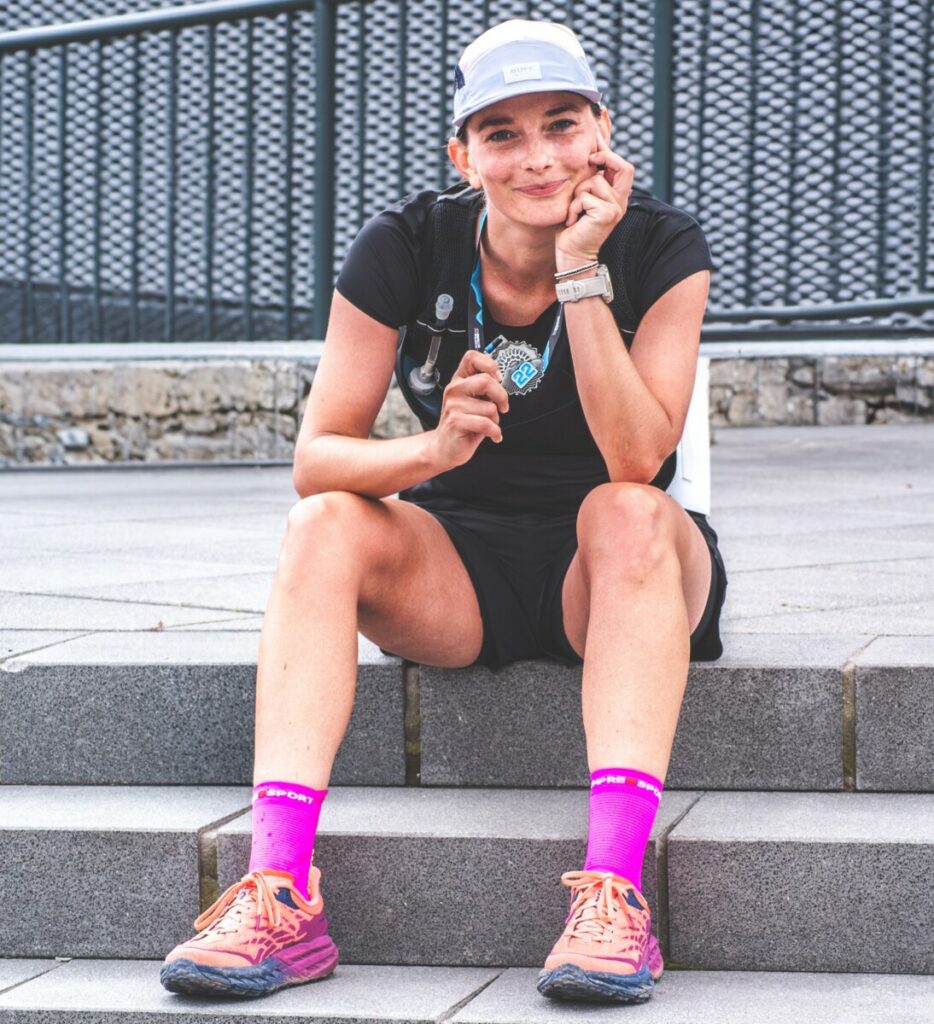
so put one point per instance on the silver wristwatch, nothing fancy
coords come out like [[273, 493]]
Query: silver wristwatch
[[572, 291]]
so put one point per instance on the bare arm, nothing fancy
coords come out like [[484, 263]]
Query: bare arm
[[636, 402], [334, 451]]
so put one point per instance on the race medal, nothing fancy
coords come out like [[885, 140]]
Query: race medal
[[519, 364]]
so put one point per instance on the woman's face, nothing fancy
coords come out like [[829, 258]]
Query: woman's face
[[535, 139]]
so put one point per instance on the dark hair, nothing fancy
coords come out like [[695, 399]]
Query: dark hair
[[461, 133]]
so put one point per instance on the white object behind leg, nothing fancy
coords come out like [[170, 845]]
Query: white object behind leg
[[691, 484]]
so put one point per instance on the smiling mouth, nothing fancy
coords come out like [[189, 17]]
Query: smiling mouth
[[543, 190]]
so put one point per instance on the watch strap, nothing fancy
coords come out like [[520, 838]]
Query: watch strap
[[599, 284]]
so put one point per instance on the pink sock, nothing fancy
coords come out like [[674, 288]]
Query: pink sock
[[623, 803], [285, 819]]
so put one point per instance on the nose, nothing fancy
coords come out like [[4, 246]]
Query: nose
[[537, 155]]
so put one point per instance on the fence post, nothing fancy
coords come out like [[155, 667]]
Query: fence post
[[325, 48], [663, 101]]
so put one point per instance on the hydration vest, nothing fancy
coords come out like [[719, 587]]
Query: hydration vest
[[451, 250]]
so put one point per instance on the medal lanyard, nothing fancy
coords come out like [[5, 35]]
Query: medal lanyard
[[475, 310]]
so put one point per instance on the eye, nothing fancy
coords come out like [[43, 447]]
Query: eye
[[504, 131]]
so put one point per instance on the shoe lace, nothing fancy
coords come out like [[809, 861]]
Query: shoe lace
[[596, 896], [257, 892]]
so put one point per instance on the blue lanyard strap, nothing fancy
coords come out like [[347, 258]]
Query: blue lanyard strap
[[475, 309]]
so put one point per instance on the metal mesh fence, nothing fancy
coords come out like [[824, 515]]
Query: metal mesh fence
[[161, 186]]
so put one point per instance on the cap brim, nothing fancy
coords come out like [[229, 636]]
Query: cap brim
[[521, 89]]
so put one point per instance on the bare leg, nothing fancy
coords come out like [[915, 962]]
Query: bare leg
[[634, 591], [348, 562]]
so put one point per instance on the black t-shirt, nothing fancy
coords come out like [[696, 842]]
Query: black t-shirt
[[548, 460]]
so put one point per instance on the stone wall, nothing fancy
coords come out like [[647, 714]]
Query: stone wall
[[70, 413], [826, 391], [238, 409]]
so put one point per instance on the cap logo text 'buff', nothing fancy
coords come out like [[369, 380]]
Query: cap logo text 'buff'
[[522, 72]]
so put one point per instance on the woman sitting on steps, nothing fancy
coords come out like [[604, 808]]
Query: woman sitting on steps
[[532, 519]]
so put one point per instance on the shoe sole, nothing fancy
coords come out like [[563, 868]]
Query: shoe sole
[[568, 981], [294, 966]]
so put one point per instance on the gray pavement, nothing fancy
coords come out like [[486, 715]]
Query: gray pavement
[[824, 530], [130, 597]]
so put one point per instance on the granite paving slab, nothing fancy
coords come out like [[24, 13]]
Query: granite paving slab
[[804, 881], [67, 612], [824, 512], [775, 699], [895, 544], [244, 592], [14, 642], [198, 686], [793, 495], [26, 520], [209, 538], [95, 991], [895, 714], [860, 499], [240, 623], [149, 486], [795, 452], [914, 618], [720, 997], [827, 587], [15, 972], [229, 510], [104, 871], [38, 572], [441, 876]]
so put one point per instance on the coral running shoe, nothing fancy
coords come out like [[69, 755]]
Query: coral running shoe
[[259, 936], [607, 952]]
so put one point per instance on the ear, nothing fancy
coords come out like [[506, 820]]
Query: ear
[[606, 126], [460, 157]]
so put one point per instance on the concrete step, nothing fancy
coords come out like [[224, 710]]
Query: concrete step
[[105, 871], [172, 708], [812, 712], [471, 877], [43, 992]]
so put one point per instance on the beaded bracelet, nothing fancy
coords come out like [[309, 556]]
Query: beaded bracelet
[[568, 273]]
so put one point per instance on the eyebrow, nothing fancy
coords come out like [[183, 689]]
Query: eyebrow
[[489, 122]]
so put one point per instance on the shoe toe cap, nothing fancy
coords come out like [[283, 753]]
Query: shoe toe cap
[[590, 962], [205, 956]]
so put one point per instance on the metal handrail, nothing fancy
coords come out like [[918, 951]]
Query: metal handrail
[[825, 311], [211, 13], [44, 37]]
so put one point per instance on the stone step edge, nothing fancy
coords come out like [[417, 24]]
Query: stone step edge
[[362, 992], [906, 814], [209, 885], [310, 350], [466, 984], [412, 687]]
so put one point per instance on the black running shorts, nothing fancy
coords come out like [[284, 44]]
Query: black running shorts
[[517, 563]]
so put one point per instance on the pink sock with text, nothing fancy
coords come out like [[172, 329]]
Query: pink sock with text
[[285, 819], [623, 803]]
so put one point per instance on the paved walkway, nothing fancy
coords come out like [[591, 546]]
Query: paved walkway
[[825, 531]]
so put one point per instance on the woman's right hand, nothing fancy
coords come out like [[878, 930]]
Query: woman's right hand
[[470, 409]]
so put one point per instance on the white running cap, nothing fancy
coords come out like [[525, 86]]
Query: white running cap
[[517, 57]]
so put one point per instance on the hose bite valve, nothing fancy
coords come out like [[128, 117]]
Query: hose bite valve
[[424, 379]]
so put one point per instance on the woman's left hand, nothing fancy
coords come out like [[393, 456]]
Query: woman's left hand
[[603, 199]]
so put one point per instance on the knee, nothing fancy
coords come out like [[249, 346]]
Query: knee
[[330, 523], [627, 528]]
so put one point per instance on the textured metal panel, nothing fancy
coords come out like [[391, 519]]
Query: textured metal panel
[[802, 144]]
